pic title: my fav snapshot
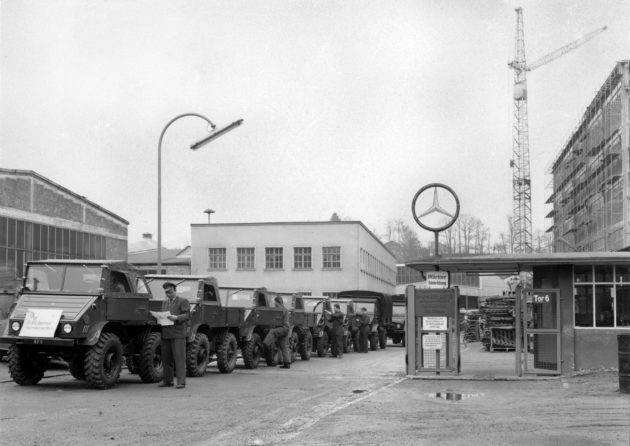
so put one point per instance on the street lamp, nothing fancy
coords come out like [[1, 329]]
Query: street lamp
[[213, 135]]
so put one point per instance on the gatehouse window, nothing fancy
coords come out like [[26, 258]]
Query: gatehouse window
[[601, 296]]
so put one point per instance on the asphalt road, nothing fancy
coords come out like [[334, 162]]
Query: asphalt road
[[362, 399]]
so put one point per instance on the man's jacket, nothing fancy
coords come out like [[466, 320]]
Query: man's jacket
[[178, 306]]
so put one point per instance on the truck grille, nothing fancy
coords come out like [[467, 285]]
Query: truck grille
[[72, 306]]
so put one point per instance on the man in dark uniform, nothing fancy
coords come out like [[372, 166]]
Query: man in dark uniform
[[364, 329], [174, 337], [279, 335], [336, 344]]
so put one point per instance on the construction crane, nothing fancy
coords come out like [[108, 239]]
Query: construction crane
[[521, 180]]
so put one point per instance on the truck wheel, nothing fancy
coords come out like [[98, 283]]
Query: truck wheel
[[306, 346], [322, 345], [252, 351], [198, 355], [382, 338], [226, 353], [272, 355], [373, 341], [76, 365], [26, 368], [292, 346], [103, 361], [150, 367]]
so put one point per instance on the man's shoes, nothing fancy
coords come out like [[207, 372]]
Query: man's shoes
[[165, 385], [340, 356], [286, 365], [180, 386]]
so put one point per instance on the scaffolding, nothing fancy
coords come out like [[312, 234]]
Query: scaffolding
[[589, 176]]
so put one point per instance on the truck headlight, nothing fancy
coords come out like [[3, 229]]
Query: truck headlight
[[67, 328], [15, 326]]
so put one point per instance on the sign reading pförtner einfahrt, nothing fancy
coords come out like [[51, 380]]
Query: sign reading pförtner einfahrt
[[437, 279]]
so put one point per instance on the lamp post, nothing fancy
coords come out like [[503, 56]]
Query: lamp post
[[213, 135]]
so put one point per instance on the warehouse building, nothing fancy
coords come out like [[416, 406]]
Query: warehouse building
[[588, 205], [317, 258], [40, 219]]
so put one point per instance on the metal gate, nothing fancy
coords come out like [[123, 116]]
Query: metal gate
[[540, 320]]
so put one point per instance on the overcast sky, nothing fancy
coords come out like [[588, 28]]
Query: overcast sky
[[348, 106]]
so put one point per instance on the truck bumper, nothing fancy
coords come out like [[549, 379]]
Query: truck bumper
[[46, 342]]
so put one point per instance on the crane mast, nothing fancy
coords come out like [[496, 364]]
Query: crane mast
[[521, 180]]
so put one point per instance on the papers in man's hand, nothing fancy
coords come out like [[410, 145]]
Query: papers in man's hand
[[162, 317]]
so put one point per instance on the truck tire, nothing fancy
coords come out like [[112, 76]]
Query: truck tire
[[76, 365], [226, 352], [26, 368], [373, 341], [150, 367], [292, 345], [306, 346], [252, 351], [103, 361], [322, 345], [382, 338], [272, 355], [197, 355]]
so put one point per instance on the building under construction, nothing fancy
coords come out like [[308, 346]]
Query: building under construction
[[591, 174]]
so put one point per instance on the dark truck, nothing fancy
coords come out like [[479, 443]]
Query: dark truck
[[322, 329], [90, 313], [379, 308], [260, 316], [396, 328], [212, 329], [304, 322]]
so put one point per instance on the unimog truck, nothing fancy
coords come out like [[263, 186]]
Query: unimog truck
[[90, 313], [396, 328], [260, 316], [379, 308], [213, 328], [304, 322], [322, 331]]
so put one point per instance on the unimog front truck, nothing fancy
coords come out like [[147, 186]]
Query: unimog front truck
[[90, 313], [379, 308]]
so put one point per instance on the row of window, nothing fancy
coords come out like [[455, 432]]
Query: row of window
[[373, 267], [274, 258], [601, 295]]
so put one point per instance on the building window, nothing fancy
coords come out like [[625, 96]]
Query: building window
[[302, 258], [331, 257], [245, 258], [216, 258], [330, 295], [273, 258], [602, 296]]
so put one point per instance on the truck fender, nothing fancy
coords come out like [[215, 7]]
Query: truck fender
[[249, 331], [93, 334]]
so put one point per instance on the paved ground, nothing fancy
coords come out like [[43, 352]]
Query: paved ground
[[358, 400]]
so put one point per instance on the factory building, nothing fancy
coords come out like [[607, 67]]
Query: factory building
[[588, 205]]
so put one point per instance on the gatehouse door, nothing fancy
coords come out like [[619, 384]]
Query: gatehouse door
[[541, 331]]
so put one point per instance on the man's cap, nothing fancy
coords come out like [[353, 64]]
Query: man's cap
[[166, 285], [278, 299], [363, 309], [337, 306]]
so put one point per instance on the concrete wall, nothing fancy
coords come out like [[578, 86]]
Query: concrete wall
[[316, 280], [597, 347]]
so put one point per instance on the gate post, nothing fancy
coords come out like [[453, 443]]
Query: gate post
[[410, 332]]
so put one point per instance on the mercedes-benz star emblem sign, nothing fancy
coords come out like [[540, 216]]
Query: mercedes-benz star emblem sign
[[435, 210]]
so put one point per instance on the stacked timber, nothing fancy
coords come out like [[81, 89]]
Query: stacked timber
[[497, 323]]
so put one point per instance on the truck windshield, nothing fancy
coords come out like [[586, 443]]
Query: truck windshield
[[186, 289], [398, 311], [311, 304], [71, 278], [241, 299]]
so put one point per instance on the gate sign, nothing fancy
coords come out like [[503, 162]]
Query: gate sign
[[436, 323], [437, 279], [41, 322], [431, 341]]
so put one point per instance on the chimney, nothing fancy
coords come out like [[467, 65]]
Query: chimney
[[147, 236]]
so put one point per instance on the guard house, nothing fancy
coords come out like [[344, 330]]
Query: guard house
[[594, 299]]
